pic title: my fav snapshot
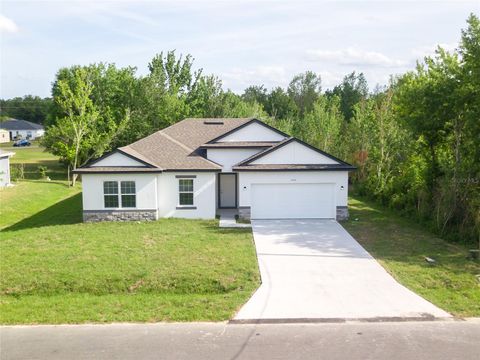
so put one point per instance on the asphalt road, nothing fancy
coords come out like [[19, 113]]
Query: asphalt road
[[408, 340]]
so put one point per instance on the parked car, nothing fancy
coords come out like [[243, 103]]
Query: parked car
[[22, 143]]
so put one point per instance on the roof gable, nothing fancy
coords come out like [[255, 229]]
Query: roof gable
[[293, 152], [252, 131], [118, 158]]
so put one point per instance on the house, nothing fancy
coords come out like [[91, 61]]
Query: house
[[22, 129], [4, 136], [197, 167], [5, 167]]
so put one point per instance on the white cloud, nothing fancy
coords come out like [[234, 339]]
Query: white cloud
[[354, 57], [7, 25], [239, 78], [429, 50]]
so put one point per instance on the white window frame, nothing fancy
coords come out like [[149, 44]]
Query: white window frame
[[180, 179], [119, 194]]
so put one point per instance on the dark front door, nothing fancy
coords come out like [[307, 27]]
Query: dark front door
[[227, 189]]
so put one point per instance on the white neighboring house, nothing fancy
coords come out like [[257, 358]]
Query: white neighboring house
[[22, 129], [197, 167], [5, 167], [4, 136]]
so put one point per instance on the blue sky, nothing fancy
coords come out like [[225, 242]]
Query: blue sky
[[243, 42]]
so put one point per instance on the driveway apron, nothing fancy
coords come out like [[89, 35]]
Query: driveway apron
[[314, 269]]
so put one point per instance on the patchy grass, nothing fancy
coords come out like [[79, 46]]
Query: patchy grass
[[55, 269], [34, 156], [401, 246]]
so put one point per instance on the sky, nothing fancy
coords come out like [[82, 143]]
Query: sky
[[242, 42]]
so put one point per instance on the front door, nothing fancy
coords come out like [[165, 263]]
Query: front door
[[227, 186]]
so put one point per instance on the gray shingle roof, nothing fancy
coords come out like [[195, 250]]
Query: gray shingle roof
[[15, 124], [177, 147]]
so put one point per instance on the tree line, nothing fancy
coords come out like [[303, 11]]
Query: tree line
[[415, 142]]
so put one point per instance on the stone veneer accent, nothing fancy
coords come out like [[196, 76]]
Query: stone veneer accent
[[119, 215], [244, 212], [342, 212]]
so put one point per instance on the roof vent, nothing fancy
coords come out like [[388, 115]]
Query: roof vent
[[213, 122]]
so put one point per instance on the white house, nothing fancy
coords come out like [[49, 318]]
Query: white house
[[4, 136], [5, 167], [197, 167], [22, 129]]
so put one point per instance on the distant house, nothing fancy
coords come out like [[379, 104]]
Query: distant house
[[5, 167], [4, 136], [22, 129]]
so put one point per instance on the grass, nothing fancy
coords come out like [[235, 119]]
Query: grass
[[55, 269], [34, 156], [401, 245]]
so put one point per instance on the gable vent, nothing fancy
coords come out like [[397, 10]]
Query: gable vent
[[213, 122]]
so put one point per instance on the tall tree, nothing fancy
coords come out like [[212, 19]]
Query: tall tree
[[304, 90], [351, 91], [279, 105], [79, 134], [321, 126]]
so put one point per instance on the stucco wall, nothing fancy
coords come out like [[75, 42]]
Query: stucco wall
[[203, 199], [339, 178], [24, 133], [92, 186], [230, 157], [4, 171], [156, 192], [4, 136]]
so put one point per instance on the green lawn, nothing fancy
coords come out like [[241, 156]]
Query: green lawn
[[55, 269], [400, 245], [33, 156]]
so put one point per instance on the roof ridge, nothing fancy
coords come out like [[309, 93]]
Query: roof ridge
[[175, 141]]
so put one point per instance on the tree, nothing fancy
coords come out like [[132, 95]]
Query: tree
[[304, 90], [351, 91], [30, 108], [279, 105], [79, 134], [256, 94], [321, 126]]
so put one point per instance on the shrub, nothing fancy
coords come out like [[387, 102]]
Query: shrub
[[17, 172], [42, 171]]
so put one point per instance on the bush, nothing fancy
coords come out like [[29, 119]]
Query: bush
[[17, 172], [42, 171]]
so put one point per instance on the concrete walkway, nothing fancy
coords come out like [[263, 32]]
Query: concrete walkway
[[227, 219], [314, 269]]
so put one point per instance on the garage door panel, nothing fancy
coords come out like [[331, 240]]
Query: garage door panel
[[292, 201]]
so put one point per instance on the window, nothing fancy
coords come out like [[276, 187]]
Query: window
[[185, 191], [127, 194], [110, 194]]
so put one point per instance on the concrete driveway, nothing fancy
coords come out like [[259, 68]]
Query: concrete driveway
[[314, 269]]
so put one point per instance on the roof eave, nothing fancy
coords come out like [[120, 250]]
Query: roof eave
[[294, 169]]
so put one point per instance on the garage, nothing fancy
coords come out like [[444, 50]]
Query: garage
[[293, 201]]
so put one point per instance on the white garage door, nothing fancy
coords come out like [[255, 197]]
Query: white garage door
[[292, 201]]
